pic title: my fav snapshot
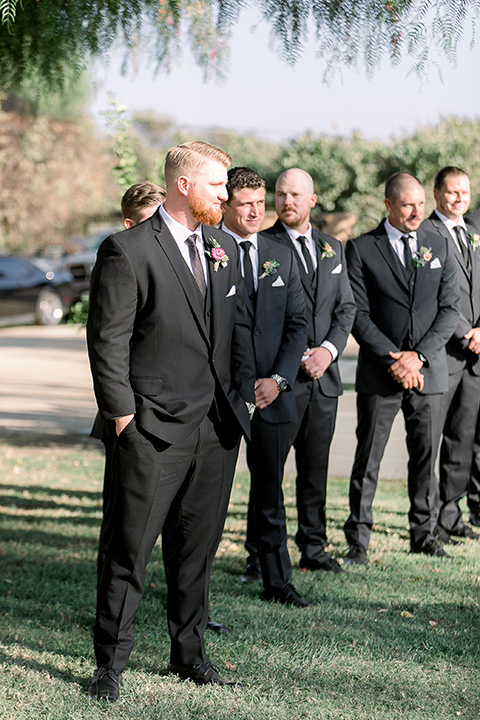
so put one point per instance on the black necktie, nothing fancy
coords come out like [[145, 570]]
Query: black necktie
[[463, 247], [197, 268], [407, 255], [248, 269], [307, 257]]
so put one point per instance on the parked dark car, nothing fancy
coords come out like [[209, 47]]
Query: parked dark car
[[31, 290], [80, 264]]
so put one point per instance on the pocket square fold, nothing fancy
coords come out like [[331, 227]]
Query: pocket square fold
[[337, 270], [278, 282], [232, 291], [435, 264]]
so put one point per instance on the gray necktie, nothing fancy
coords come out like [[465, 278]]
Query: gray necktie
[[197, 268], [248, 269], [463, 246], [407, 255], [307, 257]]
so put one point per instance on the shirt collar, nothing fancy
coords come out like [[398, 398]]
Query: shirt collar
[[449, 223], [238, 238], [179, 231], [395, 234]]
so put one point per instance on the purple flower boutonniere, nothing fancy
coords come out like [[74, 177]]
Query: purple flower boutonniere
[[269, 268], [217, 254], [422, 257], [474, 240], [327, 251]]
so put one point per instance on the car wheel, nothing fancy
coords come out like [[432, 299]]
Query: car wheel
[[49, 308]]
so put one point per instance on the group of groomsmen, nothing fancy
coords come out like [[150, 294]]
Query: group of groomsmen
[[194, 328], [409, 291]]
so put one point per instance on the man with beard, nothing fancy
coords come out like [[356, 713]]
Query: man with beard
[[173, 371], [330, 310], [405, 286], [462, 402]]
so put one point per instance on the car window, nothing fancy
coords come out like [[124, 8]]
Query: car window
[[13, 268]]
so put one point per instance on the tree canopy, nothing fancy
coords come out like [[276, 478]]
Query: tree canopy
[[42, 37]]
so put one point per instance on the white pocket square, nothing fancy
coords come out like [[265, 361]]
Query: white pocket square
[[435, 264], [278, 282], [337, 270], [232, 291]]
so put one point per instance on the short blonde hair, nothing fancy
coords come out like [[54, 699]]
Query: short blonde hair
[[140, 196], [189, 158]]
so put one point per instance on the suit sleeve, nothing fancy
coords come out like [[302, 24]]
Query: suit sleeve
[[446, 320], [366, 333], [294, 340], [242, 356], [344, 311], [113, 302]]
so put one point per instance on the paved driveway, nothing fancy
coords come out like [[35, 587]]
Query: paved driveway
[[46, 388]]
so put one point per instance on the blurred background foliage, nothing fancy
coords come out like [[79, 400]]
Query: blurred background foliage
[[61, 176]]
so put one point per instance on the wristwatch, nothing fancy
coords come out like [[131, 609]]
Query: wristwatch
[[282, 384], [422, 357]]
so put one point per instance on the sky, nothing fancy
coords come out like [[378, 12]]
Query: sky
[[264, 95]]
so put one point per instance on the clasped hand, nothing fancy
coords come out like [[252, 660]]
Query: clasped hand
[[318, 360], [474, 336], [406, 369]]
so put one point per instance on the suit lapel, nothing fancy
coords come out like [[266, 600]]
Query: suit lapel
[[182, 271], [441, 228], [285, 237], [389, 255]]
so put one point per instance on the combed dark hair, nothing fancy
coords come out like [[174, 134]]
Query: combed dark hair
[[446, 172], [140, 196], [395, 183], [243, 177]]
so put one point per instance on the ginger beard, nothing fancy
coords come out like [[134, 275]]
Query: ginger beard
[[202, 211]]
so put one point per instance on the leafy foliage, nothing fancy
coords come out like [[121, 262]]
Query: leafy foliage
[[43, 37]]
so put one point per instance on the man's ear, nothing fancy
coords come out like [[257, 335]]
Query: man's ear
[[183, 185], [129, 223]]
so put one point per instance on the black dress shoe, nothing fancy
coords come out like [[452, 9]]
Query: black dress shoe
[[443, 537], [287, 596], [475, 519], [204, 674], [467, 532], [216, 626], [105, 684], [252, 572], [357, 555], [327, 563], [432, 548]]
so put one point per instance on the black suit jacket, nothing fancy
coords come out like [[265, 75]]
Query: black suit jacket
[[153, 349], [458, 354], [279, 325], [391, 317], [330, 308]]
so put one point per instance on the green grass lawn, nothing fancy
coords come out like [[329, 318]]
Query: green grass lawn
[[399, 639]]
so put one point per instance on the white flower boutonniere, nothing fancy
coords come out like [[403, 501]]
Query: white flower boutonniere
[[474, 240], [327, 251], [269, 268], [217, 254], [422, 257]]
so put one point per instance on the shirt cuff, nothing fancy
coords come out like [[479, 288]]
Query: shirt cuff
[[331, 347]]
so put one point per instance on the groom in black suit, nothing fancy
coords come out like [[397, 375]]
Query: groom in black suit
[[405, 286], [274, 300], [173, 371], [462, 401]]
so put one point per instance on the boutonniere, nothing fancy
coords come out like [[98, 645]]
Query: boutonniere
[[474, 240], [217, 254], [327, 251], [422, 257], [269, 268]]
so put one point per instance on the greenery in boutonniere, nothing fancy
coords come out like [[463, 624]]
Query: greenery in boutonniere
[[474, 240], [269, 268], [327, 251], [422, 257], [217, 254]]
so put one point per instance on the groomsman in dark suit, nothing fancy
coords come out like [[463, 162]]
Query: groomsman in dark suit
[[462, 401], [330, 312], [173, 371], [274, 300], [405, 286]]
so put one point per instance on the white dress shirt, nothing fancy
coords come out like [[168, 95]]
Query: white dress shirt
[[450, 224], [395, 237]]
